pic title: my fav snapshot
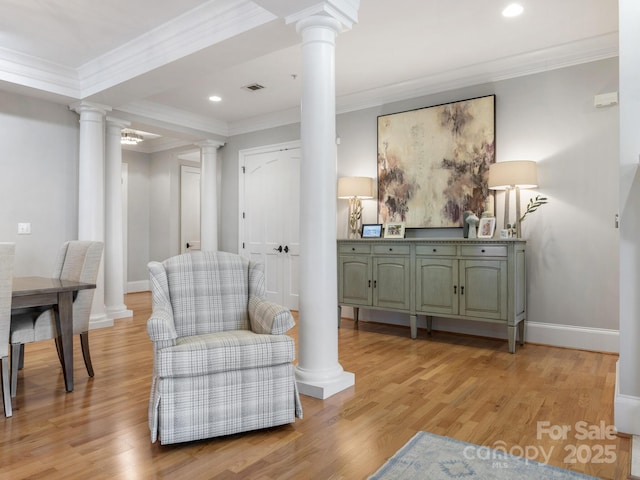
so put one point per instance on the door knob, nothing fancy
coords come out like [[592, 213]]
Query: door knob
[[286, 249], [279, 249]]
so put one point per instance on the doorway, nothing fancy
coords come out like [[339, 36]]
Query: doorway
[[189, 208]]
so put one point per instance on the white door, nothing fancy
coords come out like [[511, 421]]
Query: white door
[[189, 208], [269, 232]]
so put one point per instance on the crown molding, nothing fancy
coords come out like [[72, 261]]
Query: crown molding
[[567, 55], [174, 116], [574, 53], [264, 122], [199, 28], [157, 145], [40, 74]]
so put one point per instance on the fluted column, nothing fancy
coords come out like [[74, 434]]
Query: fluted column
[[114, 241], [318, 373], [209, 194], [91, 193]]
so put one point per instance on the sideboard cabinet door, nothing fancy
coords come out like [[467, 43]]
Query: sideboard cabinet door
[[355, 280], [437, 285], [483, 289], [391, 282]]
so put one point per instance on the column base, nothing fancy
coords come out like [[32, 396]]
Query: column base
[[119, 311], [324, 389], [626, 410]]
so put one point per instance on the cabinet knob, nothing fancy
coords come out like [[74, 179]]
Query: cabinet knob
[[435, 250], [391, 249], [483, 250]]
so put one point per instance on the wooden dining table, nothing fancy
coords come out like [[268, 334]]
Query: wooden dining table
[[59, 295]]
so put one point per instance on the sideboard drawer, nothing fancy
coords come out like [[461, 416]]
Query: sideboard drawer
[[483, 251], [354, 248], [392, 249], [436, 250]]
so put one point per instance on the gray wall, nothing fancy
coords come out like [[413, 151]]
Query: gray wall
[[164, 216], [38, 179], [138, 228]]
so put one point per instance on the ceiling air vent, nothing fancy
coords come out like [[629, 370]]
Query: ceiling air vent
[[253, 87]]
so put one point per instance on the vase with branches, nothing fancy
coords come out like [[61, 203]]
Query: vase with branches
[[533, 205]]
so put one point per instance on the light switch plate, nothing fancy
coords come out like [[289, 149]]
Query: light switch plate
[[24, 229]]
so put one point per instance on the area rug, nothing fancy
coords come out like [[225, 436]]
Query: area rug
[[432, 457]]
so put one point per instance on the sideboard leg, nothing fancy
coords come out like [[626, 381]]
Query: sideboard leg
[[511, 336], [429, 323], [339, 315], [414, 326], [356, 312], [521, 331]]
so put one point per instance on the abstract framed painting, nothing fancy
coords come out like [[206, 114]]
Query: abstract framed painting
[[433, 163]]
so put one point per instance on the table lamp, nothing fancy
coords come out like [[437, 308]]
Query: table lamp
[[355, 189], [513, 175]]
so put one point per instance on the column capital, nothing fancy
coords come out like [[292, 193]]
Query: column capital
[[83, 107], [344, 12], [210, 144], [117, 122]]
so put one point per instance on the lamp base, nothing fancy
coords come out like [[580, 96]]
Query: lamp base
[[355, 217]]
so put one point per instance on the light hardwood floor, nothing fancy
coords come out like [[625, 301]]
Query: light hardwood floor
[[463, 387]]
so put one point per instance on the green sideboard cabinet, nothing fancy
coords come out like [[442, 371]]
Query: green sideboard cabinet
[[482, 280]]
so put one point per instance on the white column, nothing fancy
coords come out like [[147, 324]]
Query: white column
[[114, 241], [91, 193], [318, 373], [209, 194], [627, 395]]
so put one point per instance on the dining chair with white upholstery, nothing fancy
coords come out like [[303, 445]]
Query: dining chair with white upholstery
[[7, 253], [78, 260]]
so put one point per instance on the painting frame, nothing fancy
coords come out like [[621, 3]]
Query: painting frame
[[486, 227], [433, 163], [394, 230]]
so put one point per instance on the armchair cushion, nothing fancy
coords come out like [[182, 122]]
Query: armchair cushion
[[223, 351], [269, 318]]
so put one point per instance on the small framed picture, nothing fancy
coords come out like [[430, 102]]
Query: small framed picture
[[394, 230], [371, 230], [486, 227]]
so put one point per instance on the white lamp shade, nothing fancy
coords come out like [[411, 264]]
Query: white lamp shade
[[516, 173], [361, 187]]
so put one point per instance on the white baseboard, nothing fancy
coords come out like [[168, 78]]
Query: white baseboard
[[100, 321], [139, 286], [582, 338], [626, 410], [567, 336]]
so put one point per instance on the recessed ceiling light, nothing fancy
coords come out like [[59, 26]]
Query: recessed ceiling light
[[215, 98], [512, 10]]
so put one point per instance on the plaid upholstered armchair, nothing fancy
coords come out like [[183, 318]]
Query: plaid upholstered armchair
[[222, 361]]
